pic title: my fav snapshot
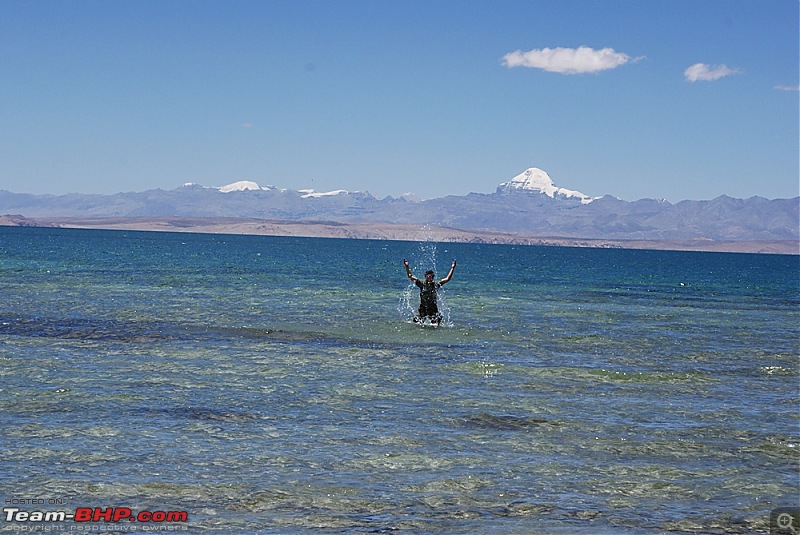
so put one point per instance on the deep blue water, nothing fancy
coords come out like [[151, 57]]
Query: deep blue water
[[277, 385]]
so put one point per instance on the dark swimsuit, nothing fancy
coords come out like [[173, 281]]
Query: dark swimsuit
[[427, 300]]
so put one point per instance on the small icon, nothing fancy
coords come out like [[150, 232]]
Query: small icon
[[785, 521]]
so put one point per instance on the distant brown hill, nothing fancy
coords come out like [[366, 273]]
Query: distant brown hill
[[322, 229]]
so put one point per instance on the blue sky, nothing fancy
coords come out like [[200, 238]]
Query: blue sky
[[634, 98]]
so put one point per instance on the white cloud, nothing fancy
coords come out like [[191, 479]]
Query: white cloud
[[567, 60], [787, 87], [708, 73]]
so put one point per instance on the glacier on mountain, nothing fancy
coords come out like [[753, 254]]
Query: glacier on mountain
[[242, 185], [534, 180]]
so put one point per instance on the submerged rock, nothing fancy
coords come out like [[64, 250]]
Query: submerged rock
[[503, 422]]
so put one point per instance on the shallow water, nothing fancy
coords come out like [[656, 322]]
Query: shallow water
[[277, 385]]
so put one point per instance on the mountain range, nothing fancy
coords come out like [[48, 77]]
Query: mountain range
[[530, 204]]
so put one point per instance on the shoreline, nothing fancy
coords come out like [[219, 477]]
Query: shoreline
[[385, 231]]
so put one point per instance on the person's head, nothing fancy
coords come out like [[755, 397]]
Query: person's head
[[429, 275]]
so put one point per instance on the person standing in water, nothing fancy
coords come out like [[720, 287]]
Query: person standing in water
[[428, 309]]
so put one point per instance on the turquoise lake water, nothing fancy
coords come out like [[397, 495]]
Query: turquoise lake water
[[270, 385]]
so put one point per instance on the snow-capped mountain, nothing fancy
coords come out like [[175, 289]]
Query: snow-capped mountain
[[249, 185], [534, 180], [529, 203], [242, 185], [310, 193]]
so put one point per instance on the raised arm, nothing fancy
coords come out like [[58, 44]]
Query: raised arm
[[408, 271], [450, 274]]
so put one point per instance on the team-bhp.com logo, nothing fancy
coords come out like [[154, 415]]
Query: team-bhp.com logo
[[94, 514]]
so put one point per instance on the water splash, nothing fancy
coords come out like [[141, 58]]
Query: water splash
[[422, 261]]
